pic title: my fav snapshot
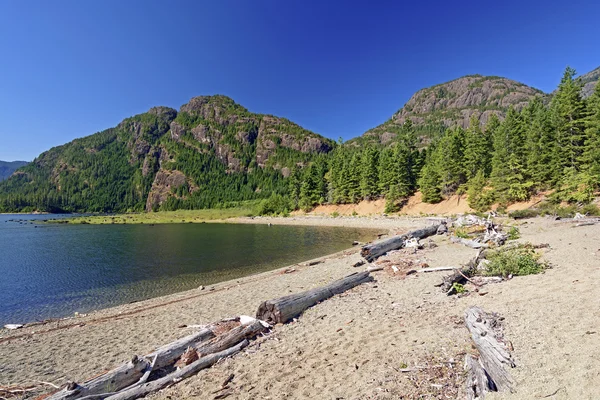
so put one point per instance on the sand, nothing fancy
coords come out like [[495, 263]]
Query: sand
[[355, 345]]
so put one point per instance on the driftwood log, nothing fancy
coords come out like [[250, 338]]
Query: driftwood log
[[461, 275], [285, 308], [131, 372], [376, 249], [230, 338], [469, 243], [186, 372], [477, 383], [494, 357]]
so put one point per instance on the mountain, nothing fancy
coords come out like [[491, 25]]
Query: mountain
[[433, 109], [8, 167], [589, 81], [211, 152]]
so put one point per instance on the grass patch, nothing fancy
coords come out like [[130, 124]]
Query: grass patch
[[168, 217], [513, 233], [516, 262]]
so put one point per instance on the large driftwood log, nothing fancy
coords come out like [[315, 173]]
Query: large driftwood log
[[131, 372], [477, 383], [186, 372], [285, 308], [168, 354], [230, 338], [117, 379], [494, 356], [376, 249]]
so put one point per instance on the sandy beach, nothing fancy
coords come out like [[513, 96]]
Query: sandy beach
[[359, 344]]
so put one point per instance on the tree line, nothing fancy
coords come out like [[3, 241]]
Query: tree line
[[548, 146]]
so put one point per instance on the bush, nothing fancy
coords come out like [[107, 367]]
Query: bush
[[276, 204], [522, 214], [513, 233], [521, 261], [590, 209], [458, 288]]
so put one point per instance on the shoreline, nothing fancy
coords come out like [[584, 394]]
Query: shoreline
[[368, 334]]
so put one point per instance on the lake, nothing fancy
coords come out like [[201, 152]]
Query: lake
[[55, 270]]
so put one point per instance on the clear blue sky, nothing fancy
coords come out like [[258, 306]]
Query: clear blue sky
[[72, 68]]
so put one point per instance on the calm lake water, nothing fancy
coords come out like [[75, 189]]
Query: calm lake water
[[54, 270]]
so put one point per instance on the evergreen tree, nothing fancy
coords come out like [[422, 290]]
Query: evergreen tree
[[591, 155], [508, 160], [478, 149], [568, 112], [369, 173]]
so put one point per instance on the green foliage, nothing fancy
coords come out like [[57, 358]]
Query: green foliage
[[276, 204], [520, 261], [461, 233], [523, 214], [513, 233], [480, 197], [458, 288], [590, 209]]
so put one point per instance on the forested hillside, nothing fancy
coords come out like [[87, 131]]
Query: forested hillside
[[212, 152], [545, 146], [8, 167], [454, 103], [495, 139]]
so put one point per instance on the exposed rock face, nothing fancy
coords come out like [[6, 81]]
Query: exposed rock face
[[454, 102], [164, 181], [231, 131], [146, 131], [589, 80]]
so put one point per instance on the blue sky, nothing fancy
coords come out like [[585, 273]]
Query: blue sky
[[72, 68]]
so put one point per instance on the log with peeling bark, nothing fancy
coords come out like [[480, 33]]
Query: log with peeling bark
[[285, 308], [131, 372], [494, 356], [183, 373], [469, 243], [477, 383], [230, 338], [376, 249], [116, 379]]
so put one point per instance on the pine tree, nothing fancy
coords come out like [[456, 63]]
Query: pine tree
[[539, 143], [568, 112], [477, 154], [369, 174], [508, 161], [450, 160], [591, 155]]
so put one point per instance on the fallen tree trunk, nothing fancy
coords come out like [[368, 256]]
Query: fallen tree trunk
[[230, 338], [494, 356], [168, 354], [469, 243], [131, 372], [285, 308], [186, 372], [374, 250], [117, 379], [477, 383]]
